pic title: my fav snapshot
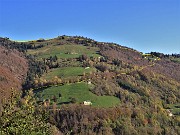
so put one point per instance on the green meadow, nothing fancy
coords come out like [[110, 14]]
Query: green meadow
[[64, 51], [175, 108], [80, 92], [67, 72]]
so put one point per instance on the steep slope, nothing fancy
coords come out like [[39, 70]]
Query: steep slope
[[13, 69]]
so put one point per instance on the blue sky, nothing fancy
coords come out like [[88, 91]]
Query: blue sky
[[145, 25]]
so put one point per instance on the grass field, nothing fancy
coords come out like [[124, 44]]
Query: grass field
[[66, 72], [175, 108], [177, 60], [79, 91], [64, 51]]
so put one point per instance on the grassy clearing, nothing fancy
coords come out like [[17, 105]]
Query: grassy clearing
[[67, 72], [79, 91], [177, 60], [175, 108], [64, 51]]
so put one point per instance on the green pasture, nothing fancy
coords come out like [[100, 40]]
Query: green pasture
[[175, 108], [177, 60], [67, 72], [78, 91], [64, 51]]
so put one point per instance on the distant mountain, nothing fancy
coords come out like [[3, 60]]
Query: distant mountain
[[91, 87]]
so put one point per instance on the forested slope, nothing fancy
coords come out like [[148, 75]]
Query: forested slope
[[129, 92], [13, 69]]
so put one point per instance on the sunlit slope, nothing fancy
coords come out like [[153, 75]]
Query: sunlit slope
[[114, 70]]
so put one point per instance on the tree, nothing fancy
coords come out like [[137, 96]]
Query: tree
[[73, 100], [60, 95], [55, 98], [83, 57], [22, 117]]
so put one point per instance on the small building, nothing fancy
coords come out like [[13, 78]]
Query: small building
[[169, 113], [86, 67], [89, 82], [87, 103]]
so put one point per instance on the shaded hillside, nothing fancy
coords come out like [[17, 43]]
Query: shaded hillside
[[13, 69]]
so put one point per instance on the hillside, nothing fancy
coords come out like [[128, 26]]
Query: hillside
[[13, 69], [128, 92]]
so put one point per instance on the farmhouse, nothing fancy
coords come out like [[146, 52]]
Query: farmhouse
[[170, 113], [89, 81], [87, 67], [87, 103]]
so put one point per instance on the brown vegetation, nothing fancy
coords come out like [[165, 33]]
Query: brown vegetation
[[13, 69]]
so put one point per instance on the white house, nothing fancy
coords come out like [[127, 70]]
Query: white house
[[87, 103], [170, 113], [89, 81], [87, 67]]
